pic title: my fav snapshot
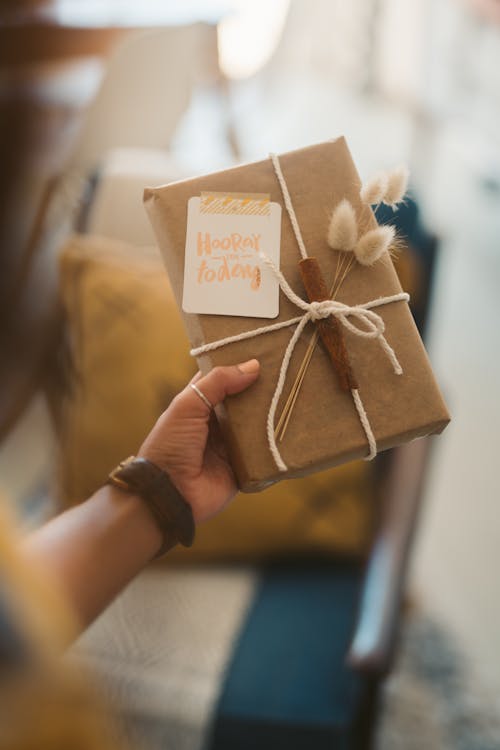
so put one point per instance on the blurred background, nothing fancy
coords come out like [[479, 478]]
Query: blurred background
[[100, 99]]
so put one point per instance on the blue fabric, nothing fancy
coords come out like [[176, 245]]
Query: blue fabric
[[407, 221], [288, 678]]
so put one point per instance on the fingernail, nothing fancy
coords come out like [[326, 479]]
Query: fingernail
[[249, 367]]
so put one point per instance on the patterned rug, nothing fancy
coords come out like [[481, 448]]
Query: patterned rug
[[431, 700], [161, 650]]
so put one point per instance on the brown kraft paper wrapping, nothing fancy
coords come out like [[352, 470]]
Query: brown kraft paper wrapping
[[324, 429]]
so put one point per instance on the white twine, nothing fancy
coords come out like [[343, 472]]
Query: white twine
[[372, 327], [288, 204], [365, 422]]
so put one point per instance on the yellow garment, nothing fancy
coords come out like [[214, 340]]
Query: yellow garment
[[44, 702]]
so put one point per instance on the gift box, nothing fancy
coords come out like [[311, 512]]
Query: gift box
[[331, 423]]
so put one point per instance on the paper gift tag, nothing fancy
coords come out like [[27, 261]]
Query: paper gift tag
[[223, 273]]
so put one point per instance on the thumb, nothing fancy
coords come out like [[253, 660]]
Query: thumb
[[219, 383]]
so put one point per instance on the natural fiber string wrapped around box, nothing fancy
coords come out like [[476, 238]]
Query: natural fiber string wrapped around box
[[373, 323]]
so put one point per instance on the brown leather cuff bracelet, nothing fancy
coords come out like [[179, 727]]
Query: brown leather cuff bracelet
[[171, 512]]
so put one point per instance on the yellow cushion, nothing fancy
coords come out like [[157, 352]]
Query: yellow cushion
[[132, 356], [326, 514], [130, 353]]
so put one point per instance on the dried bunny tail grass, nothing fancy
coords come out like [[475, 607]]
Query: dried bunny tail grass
[[373, 191], [398, 245], [397, 185], [372, 245], [343, 229]]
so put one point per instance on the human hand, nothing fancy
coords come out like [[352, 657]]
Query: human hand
[[187, 444]]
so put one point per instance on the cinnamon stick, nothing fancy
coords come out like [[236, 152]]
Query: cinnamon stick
[[329, 329]]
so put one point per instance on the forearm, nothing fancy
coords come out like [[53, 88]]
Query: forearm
[[93, 550]]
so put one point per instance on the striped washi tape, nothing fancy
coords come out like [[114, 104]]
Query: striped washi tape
[[257, 204]]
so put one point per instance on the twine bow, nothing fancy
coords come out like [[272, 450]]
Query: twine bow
[[375, 326]]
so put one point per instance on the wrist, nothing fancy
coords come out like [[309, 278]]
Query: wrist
[[133, 519], [161, 498]]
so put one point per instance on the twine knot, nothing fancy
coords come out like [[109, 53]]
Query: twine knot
[[372, 324], [321, 310]]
